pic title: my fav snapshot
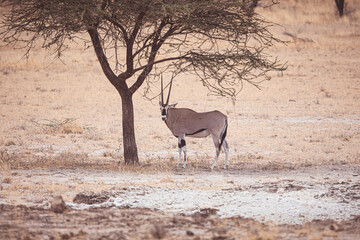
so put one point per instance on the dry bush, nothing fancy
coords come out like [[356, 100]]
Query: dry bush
[[62, 126], [7, 160], [93, 135], [7, 180]]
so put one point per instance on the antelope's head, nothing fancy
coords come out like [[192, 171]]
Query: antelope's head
[[164, 107]]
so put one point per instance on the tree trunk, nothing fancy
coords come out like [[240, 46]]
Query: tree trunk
[[340, 6], [130, 148]]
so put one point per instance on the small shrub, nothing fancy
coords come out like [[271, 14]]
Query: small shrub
[[63, 126], [7, 180]]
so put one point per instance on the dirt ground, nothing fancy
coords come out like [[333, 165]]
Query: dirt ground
[[306, 203], [294, 146]]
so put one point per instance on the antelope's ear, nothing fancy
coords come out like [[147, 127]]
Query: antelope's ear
[[173, 105], [160, 103]]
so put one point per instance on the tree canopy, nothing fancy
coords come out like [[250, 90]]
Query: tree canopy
[[222, 42]]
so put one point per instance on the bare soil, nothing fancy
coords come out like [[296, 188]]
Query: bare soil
[[294, 146], [305, 203], [272, 204], [119, 223]]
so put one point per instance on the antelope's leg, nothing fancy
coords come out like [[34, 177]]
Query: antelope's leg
[[226, 148], [183, 147], [179, 162], [179, 148], [217, 148], [185, 157]]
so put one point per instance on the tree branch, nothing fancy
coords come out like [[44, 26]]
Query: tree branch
[[130, 45], [156, 45], [118, 25], [94, 35], [161, 61], [145, 44]]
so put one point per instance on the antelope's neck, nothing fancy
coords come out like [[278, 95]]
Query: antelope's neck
[[170, 118]]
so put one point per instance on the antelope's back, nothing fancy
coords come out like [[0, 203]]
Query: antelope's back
[[188, 121]]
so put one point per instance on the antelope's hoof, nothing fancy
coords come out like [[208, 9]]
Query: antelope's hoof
[[226, 166]]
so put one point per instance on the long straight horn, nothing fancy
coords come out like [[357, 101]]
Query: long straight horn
[[167, 101], [162, 91]]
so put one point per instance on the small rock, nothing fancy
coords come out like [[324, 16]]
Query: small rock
[[58, 205], [90, 198], [335, 227], [209, 211], [189, 233], [158, 232]]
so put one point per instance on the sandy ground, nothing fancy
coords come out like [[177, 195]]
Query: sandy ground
[[294, 155]]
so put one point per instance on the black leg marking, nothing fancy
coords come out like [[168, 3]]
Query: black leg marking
[[182, 143], [223, 135]]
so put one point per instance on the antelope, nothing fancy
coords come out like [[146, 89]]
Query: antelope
[[184, 122]]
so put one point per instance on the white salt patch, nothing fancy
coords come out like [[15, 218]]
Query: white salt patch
[[294, 207]]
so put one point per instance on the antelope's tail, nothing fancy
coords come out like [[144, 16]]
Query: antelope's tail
[[223, 134]]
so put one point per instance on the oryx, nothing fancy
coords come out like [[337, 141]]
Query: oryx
[[184, 122]]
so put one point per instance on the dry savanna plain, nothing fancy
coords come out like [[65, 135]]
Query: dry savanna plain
[[294, 168]]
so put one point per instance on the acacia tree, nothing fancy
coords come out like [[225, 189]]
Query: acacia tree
[[221, 41]]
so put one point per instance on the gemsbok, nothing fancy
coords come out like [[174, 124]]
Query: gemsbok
[[184, 122]]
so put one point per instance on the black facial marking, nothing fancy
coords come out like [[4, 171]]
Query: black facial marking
[[163, 112]]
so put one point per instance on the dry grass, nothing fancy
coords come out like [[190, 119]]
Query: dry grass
[[65, 160], [113, 162], [110, 161], [310, 11]]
